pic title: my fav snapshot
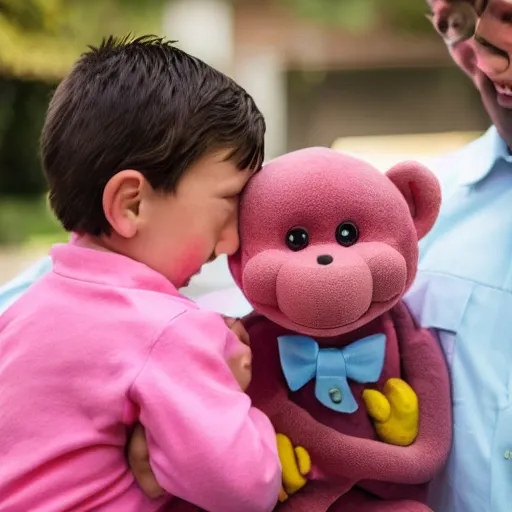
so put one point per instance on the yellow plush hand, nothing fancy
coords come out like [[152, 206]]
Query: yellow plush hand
[[395, 412], [296, 464]]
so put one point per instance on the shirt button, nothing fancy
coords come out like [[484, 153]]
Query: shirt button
[[335, 395], [508, 454]]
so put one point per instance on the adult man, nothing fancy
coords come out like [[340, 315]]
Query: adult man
[[464, 285]]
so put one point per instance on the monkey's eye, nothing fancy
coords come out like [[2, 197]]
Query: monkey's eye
[[297, 239], [347, 234]]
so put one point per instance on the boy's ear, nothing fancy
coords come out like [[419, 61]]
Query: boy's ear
[[121, 200]]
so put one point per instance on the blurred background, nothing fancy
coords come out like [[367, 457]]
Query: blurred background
[[365, 76]]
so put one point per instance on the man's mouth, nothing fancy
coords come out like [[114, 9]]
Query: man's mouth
[[504, 91]]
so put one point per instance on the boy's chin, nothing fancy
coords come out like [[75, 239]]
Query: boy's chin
[[188, 280]]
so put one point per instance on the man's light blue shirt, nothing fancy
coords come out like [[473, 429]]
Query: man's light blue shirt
[[464, 292], [12, 290]]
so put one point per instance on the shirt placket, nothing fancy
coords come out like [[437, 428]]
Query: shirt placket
[[501, 457]]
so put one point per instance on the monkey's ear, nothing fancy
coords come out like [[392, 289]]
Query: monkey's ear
[[422, 192]]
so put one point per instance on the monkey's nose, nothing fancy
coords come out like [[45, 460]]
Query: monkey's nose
[[325, 259]]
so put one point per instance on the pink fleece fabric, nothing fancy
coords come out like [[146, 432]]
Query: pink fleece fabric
[[357, 294]]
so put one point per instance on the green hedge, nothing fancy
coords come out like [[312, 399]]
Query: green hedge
[[28, 221], [22, 110]]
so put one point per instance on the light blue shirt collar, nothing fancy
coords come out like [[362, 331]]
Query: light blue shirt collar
[[488, 151]]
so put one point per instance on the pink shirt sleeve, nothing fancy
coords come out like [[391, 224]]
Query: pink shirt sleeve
[[207, 444]]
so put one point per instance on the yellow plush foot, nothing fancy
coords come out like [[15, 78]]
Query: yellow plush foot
[[296, 464], [395, 412]]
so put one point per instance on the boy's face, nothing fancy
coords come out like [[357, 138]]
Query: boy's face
[[195, 224]]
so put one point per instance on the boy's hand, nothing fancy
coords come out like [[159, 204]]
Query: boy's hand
[[138, 460], [241, 368], [240, 363], [236, 325]]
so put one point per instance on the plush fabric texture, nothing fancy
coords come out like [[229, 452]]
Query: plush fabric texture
[[318, 190], [329, 245]]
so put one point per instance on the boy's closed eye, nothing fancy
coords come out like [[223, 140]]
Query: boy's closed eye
[[235, 186], [232, 197]]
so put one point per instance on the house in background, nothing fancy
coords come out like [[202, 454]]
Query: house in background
[[317, 83]]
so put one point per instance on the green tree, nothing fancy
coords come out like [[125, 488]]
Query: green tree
[[39, 41], [364, 15], [42, 38], [32, 15]]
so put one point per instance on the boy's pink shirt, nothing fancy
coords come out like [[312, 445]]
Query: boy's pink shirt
[[97, 344]]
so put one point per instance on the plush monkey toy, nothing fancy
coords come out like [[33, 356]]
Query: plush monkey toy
[[329, 246]]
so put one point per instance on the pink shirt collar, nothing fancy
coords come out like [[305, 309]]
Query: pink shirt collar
[[107, 268]]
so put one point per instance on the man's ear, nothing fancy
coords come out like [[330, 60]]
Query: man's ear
[[121, 200], [422, 192]]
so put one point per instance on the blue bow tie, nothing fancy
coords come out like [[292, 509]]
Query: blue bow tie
[[302, 360]]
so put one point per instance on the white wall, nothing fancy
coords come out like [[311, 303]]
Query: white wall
[[205, 28]]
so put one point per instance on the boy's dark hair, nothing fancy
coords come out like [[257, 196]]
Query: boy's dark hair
[[140, 104]]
